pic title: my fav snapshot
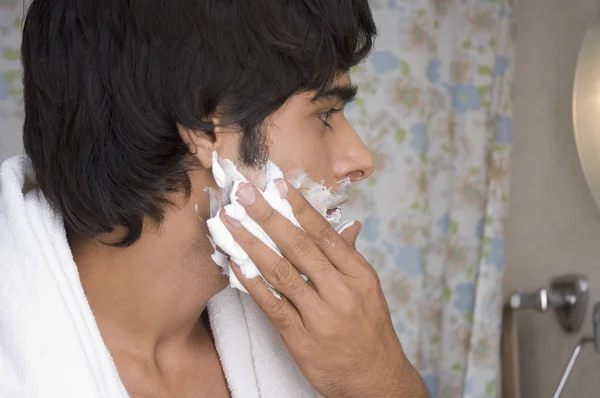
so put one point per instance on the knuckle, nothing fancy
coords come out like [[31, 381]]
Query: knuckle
[[298, 287], [300, 205], [268, 216], [249, 241], [323, 266], [328, 328], [280, 317], [275, 305], [309, 346], [324, 234], [284, 321], [303, 345], [350, 305], [255, 282], [281, 273], [345, 293], [371, 279], [350, 308], [301, 243]]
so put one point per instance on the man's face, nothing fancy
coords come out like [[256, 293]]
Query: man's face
[[314, 137]]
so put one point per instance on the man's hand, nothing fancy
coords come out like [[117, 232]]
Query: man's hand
[[338, 326]]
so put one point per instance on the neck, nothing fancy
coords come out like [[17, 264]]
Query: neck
[[154, 292]]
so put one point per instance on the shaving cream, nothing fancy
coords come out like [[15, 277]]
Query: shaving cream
[[228, 178]]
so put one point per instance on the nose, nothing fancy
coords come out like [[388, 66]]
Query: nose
[[353, 159]]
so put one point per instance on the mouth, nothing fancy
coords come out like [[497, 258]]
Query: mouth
[[332, 210], [337, 207]]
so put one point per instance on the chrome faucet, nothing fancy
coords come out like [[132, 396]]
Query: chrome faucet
[[567, 295]]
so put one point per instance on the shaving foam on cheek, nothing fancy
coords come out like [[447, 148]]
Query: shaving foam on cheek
[[220, 258], [229, 179], [320, 197]]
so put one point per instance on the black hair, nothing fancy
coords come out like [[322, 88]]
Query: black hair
[[107, 82]]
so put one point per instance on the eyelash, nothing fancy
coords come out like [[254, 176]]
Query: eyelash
[[324, 116]]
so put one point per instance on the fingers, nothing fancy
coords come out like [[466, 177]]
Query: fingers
[[339, 250], [274, 268], [293, 242], [278, 309]]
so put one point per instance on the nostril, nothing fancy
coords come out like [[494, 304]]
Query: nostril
[[356, 175]]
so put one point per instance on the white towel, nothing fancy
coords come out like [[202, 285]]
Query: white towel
[[50, 344]]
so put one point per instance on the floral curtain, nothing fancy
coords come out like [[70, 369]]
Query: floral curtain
[[435, 108]]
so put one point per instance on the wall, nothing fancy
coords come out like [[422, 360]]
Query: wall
[[554, 224], [10, 139], [11, 109]]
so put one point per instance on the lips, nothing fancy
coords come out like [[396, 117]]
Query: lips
[[338, 206]]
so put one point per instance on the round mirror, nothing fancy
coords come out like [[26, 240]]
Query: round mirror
[[586, 110]]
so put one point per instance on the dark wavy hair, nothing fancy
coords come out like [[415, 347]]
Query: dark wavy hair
[[107, 82]]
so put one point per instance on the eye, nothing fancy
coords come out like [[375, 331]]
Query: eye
[[324, 116]]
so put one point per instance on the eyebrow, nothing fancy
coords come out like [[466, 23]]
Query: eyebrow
[[337, 93]]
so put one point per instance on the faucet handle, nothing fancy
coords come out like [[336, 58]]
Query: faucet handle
[[541, 300], [567, 296]]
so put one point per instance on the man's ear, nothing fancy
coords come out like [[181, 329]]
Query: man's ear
[[201, 144]]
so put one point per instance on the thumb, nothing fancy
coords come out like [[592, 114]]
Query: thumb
[[350, 232]]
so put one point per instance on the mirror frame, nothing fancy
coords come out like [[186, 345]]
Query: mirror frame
[[586, 110]]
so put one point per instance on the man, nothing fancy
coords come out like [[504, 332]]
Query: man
[[125, 103]]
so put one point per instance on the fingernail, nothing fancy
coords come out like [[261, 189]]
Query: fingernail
[[246, 194], [233, 222], [282, 188]]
